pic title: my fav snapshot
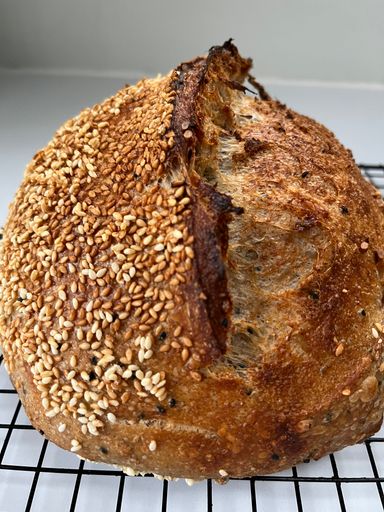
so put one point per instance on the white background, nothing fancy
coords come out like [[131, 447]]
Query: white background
[[332, 40]]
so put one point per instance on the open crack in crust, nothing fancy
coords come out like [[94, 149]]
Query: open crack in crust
[[184, 271]]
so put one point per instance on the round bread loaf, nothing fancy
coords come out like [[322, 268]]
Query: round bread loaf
[[192, 281]]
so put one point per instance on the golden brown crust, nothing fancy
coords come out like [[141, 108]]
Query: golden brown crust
[[192, 281]]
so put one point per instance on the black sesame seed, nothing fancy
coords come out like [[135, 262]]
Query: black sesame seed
[[19, 299], [248, 392], [224, 322], [304, 174], [362, 312], [162, 336], [258, 269], [1, 236], [92, 375], [250, 330], [104, 450], [344, 210], [171, 402], [314, 295], [274, 456], [160, 409], [94, 360]]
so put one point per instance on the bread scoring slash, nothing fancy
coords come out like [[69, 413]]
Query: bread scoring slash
[[192, 281]]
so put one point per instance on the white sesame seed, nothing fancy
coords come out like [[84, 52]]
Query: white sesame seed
[[375, 333], [140, 374], [127, 374], [92, 274], [148, 354], [147, 383], [152, 445], [101, 272], [61, 428], [115, 267], [177, 234], [51, 413], [222, 472], [92, 429], [111, 417], [147, 343], [62, 295]]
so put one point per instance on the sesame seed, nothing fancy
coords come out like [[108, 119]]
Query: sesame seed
[[184, 354], [223, 473], [111, 417], [152, 445], [339, 349], [62, 295], [61, 428]]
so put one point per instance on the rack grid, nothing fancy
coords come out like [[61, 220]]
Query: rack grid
[[37, 475]]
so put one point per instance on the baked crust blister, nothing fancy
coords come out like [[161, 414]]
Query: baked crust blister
[[191, 281]]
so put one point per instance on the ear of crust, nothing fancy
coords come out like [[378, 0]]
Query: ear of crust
[[197, 82]]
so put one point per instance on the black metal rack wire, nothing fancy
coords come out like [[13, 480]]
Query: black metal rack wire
[[375, 174]]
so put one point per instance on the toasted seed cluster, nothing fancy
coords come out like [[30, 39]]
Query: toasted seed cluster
[[94, 252]]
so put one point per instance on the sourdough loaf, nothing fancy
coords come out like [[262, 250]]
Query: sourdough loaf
[[192, 281]]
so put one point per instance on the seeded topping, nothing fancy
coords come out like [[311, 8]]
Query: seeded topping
[[93, 258], [152, 446]]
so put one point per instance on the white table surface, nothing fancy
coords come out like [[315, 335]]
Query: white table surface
[[31, 108]]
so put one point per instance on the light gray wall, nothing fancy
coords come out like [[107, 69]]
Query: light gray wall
[[336, 40]]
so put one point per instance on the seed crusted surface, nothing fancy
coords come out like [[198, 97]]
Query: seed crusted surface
[[97, 244]]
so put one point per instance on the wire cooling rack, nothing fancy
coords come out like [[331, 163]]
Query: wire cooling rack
[[36, 475]]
